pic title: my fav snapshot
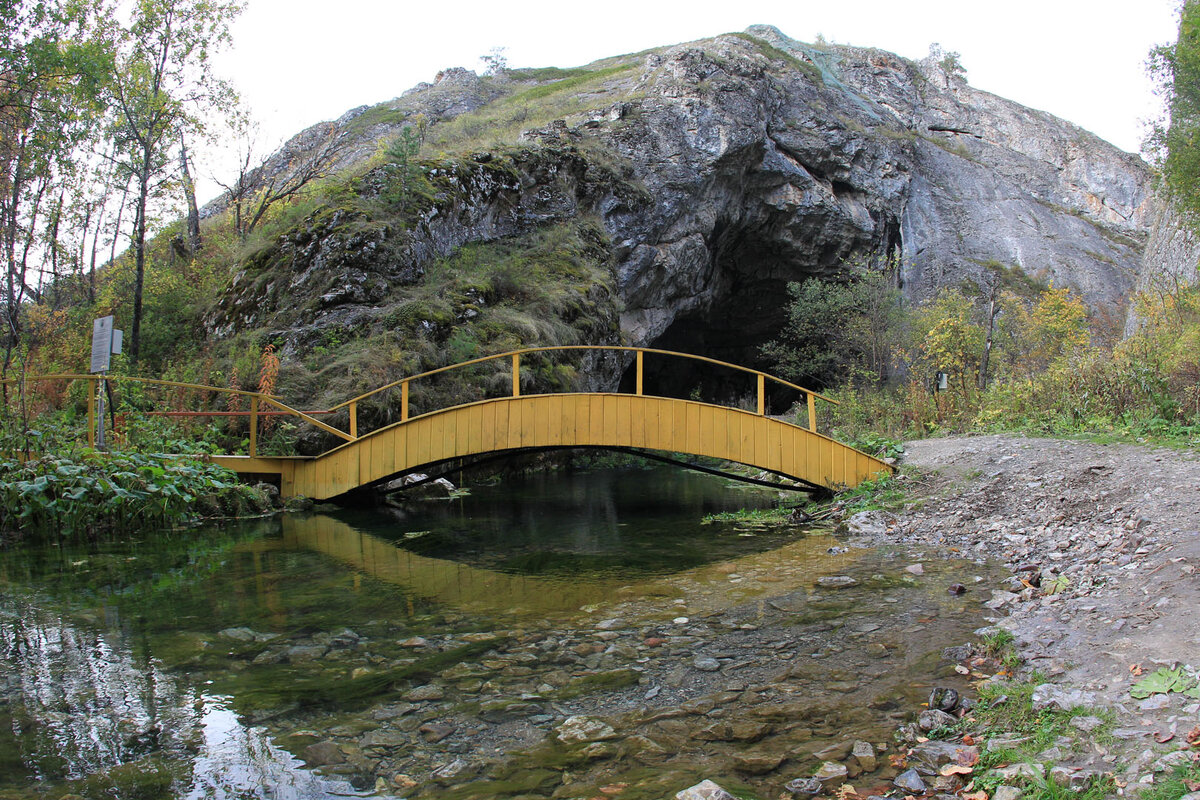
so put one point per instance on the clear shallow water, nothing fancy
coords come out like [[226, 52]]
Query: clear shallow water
[[112, 652], [203, 664]]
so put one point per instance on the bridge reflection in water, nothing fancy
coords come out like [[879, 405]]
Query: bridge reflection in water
[[794, 566]]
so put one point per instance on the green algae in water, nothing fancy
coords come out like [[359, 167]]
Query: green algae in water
[[273, 689]]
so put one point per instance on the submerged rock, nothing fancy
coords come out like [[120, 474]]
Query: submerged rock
[[705, 790], [580, 729]]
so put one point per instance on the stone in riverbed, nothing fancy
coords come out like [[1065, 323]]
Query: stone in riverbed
[[706, 664], [427, 692], [305, 652], [705, 790], [434, 732], [1007, 793], [864, 754], [450, 771], [757, 763], [831, 775], [323, 754], [584, 729], [834, 752], [804, 787], [836, 581], [415, 641], [910, 781]]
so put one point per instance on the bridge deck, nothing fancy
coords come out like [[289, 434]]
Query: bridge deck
[[567, 420]]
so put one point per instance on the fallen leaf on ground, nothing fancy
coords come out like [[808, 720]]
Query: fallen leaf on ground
[[1163, 738], [980, 795], [956, 769], [1192, 786], [897, 760], [922, 739], [847, 792], [968, 739], [1193, 737], [1135, 669], [961, 670], [966, 758]]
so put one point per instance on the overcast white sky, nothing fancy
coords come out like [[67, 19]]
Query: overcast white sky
[[297, 62]]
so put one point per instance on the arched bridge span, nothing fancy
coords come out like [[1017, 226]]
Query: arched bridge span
[[517, 421]]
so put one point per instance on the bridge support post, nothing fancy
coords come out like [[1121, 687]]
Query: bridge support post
[[404, 402], [812, 412], [253, 426], [639, 373], [516, 374], [354, 419], [762, 394]]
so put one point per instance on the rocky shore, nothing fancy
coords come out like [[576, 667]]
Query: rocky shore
[[1102, 545]]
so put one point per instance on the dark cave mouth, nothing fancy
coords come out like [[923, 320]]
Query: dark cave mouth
[[732, 329]]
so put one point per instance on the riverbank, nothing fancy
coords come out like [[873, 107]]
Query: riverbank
[[1102, 544], [85, 494]]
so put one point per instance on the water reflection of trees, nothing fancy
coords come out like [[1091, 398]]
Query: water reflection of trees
[[79, 702]]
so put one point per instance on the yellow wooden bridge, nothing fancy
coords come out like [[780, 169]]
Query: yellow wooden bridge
[[518, 421]]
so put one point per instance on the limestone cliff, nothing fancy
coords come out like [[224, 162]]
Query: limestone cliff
[[710, 173]]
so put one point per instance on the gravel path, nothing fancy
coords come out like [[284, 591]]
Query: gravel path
[[1112, 529]]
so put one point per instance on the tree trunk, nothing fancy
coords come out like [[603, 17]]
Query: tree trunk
[[139, 259], [993, 310], [189, 191]]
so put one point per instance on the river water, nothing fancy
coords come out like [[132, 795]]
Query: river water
[[571, 635]]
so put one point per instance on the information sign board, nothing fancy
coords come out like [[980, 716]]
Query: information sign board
[[102, 341]]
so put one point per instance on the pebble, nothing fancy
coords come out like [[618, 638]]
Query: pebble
[[705, 664]]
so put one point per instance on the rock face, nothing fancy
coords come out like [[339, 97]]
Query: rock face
[[720, 170]]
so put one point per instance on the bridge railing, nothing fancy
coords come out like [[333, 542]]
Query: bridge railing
[[515, 357], [260, 404]]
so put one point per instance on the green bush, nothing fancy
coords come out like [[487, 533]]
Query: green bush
[[88, 493]]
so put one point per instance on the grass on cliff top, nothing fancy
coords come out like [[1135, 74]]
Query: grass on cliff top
[[501, 122]]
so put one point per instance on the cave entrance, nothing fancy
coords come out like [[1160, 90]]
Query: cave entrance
[[733, 328]]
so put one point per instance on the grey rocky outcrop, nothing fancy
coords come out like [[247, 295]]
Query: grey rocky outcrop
[[720, 170]]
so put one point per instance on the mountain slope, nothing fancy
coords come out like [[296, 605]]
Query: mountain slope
[[686, 186]]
